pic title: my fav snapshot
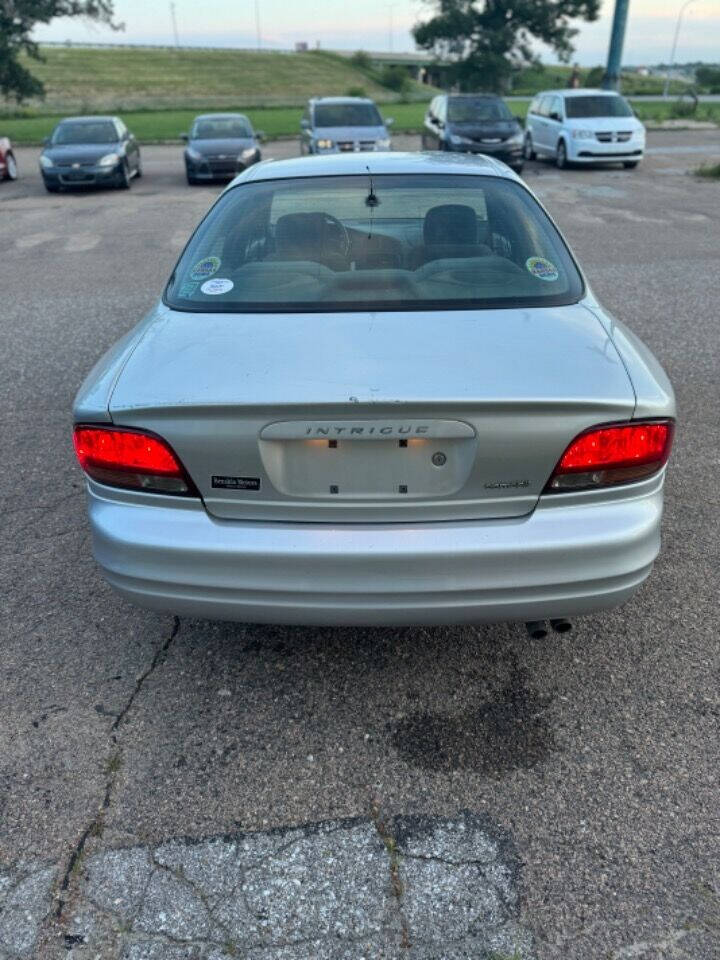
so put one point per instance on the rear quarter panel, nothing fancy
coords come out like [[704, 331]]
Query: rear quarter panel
[[92, 402]]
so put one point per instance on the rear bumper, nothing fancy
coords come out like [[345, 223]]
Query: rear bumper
[[559, 561]]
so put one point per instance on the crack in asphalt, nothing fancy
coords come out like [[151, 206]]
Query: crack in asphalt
[[196, 891], [396, 885], [157, 660], [95, 827]]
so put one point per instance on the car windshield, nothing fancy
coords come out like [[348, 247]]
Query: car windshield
[[221, 128], [347, 115], [100, 131], [428, 241], [477, 110], [597, 106]]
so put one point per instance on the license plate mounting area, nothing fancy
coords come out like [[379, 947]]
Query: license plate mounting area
[[431, 459]]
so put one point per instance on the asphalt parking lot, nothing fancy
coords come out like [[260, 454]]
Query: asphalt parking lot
[[175, 789]]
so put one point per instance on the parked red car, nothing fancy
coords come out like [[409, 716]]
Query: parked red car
[[8, 165]]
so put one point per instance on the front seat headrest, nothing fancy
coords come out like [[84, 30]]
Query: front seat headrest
[[450, 223]]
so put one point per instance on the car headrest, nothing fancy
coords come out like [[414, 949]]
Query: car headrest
[[294, 229], [450, 223]]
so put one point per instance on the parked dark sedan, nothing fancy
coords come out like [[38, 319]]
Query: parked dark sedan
[[90, 150], [474, 123], [220, 145]]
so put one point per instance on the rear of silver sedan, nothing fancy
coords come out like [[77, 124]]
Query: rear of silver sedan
[[441, 464]]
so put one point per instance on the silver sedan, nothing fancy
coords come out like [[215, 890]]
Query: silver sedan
[[377, 390]]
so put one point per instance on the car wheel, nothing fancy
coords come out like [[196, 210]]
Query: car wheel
[[528, 149], [190, 178], [138, 172], [630, 164], [518, 168], [124, 177], [11, 170], [561, 160]]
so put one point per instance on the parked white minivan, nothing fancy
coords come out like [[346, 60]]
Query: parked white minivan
[[583, 126]]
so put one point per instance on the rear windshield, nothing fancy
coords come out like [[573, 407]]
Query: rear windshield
[[434, 241], [597, 106], [221, 128], [101, 132], [477, 109], [347, 115]]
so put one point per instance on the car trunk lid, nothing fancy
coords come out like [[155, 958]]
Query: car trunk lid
[[363, 417]]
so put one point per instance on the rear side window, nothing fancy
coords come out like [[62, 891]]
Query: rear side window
[[431, 241]]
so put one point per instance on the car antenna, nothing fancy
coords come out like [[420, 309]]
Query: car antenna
[[371, 200]]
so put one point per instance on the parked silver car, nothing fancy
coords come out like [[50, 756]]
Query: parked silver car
[[343, 125], [376, 391]]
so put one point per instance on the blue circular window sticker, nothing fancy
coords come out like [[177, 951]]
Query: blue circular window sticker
[[205, 268]]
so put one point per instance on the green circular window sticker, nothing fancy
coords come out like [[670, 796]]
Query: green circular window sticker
[[205, 268], [541, 268]]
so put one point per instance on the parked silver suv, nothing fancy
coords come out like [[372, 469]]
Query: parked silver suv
[[343, 125]]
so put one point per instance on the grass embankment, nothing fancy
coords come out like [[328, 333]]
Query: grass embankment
[[124, 79]]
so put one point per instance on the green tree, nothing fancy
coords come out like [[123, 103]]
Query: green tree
[[594, 77], [18, 18], [708, 76], [484, 43]]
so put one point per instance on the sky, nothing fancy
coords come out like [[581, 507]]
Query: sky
[[382, 25]]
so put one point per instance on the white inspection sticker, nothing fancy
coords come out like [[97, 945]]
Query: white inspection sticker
[[216, 286]]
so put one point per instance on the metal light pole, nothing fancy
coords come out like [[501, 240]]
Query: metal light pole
[[174, 23], [611, 80], [683, 8], [391, 26]]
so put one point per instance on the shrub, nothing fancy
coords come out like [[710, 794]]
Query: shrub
[[395, 78], [361, 60], [683, 109]]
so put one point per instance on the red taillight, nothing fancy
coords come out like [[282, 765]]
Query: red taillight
[[130, 458], [618, 453]]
